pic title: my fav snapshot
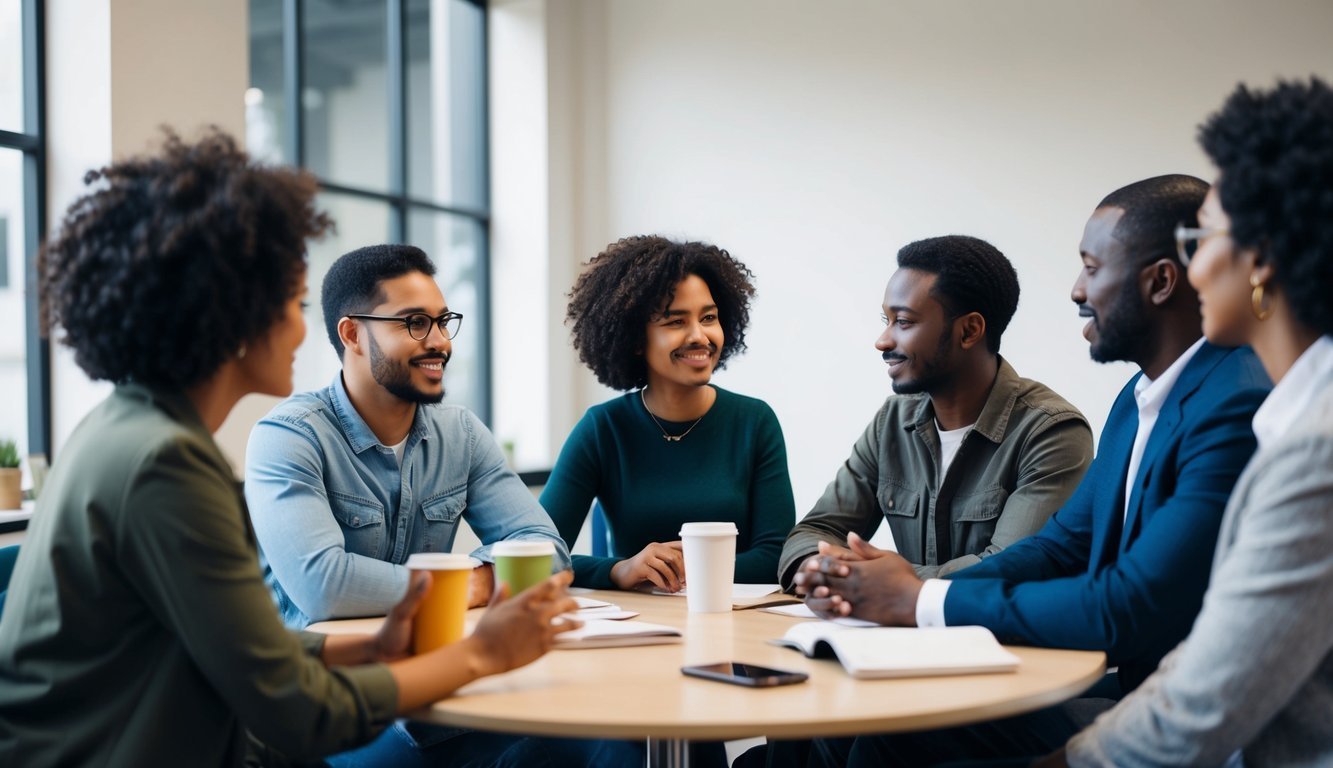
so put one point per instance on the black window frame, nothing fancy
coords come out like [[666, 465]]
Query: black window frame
[[32, 143], [398, 199]]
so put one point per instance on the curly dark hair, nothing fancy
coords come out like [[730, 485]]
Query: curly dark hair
[[353, 282], [175, 260], [1274, 152], [626, 285], [971, 275]]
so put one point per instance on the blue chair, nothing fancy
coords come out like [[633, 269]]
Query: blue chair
[[8, 556], [601, 536]]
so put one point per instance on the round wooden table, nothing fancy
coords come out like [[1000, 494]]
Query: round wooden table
[[639, 692]]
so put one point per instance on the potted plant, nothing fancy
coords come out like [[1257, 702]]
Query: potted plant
[[10, 495]]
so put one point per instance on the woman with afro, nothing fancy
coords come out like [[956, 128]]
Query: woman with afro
[[655, 318], [138, 629]]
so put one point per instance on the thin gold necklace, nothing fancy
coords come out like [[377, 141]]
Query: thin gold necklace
[[665, 436]]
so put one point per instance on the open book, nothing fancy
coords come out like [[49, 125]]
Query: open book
[[869, 652], [599, 633]]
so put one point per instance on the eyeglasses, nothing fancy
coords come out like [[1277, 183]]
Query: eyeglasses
[[1187, 239], [418, 325]]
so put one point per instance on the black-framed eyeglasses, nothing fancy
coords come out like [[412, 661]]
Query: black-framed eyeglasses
[[418, 324], [1187, 239]]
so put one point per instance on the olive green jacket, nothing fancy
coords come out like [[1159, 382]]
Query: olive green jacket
[[138, 630], [1022, 460]]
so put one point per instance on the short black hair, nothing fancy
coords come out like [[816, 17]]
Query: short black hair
[[1152, 209], [624, 287], [1274, 152], [353, 283], [971, 275], [174, 261]]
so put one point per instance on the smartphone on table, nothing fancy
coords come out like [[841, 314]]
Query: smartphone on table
[[751, 675]]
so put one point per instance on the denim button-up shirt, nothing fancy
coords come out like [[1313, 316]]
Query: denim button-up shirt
[[336, 517]]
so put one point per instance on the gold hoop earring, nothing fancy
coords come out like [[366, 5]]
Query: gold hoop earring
[[1257, 299]]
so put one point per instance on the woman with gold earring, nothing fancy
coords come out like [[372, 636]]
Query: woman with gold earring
[[1255, 675]]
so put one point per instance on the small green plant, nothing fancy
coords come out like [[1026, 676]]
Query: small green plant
[[9, 454]]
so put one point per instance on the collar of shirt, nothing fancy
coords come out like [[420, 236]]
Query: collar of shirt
[[355, 428], [994, 418], [1150, 394], [1296, 392]]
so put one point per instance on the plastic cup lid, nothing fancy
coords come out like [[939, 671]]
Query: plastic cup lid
[[441, 561], [523, 548], [708, 529]]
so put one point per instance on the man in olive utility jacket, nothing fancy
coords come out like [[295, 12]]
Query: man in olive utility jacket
[[966, 457]]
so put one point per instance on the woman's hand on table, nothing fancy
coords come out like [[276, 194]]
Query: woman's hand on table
[[661, 564]]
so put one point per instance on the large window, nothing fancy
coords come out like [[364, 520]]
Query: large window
[[384, 101], [25, 414]]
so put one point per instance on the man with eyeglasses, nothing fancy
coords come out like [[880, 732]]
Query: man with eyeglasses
[[1123, 565], [344, 483]]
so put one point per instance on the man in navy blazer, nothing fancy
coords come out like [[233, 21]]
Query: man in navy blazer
[[1123, 565]]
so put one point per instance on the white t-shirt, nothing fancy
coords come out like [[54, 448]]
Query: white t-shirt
[[399, 450], [949, 442]]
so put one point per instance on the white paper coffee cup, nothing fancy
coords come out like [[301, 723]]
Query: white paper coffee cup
[[710, 564]]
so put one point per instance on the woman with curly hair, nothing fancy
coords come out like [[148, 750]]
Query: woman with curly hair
[[657, 317], [1255, 674], [138, 630]]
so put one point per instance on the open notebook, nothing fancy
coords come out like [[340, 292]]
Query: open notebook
[[598, 633], [870, 652]]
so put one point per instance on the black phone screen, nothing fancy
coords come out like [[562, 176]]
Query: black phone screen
[[745, 674]]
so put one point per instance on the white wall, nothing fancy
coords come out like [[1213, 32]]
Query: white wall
[[115, 73], [813, 140]]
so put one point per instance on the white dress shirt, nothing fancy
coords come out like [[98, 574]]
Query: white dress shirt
[[1296, 392], [1149, 395]]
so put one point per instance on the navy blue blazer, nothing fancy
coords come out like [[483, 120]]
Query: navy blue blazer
[[1088, 581]]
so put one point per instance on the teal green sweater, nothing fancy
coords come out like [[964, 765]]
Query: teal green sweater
[[732, 467]]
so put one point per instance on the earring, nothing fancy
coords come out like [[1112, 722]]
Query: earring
[[240, 353], [1257, 299]]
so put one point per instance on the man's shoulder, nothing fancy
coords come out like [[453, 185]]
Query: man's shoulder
[[301, 406], [1229, 369], [448, 420], [1032, 395]]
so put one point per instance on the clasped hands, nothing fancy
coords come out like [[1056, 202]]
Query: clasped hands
[[861, 581]]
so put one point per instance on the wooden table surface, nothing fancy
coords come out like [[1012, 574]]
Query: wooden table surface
[[639, 692]]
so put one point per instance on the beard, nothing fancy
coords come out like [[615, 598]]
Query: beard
[[396, 376], [1125, 331], [934, 370]]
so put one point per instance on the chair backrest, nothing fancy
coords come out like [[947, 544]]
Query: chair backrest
[[601, 536], [8, 556]]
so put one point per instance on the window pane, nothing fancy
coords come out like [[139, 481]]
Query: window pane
[[265, 108], [345, 100], [360, 222], [454, 243], [446, 102], [11, 66], [13, 370]]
